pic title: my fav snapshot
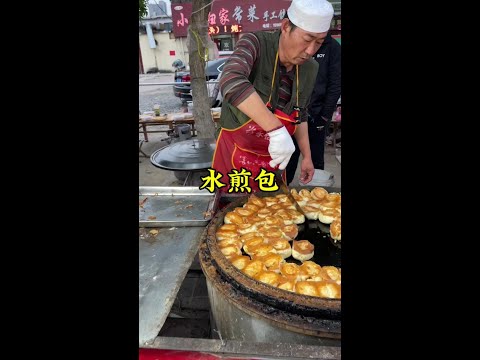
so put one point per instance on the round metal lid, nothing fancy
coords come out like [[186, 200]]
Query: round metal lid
[[192, 154]]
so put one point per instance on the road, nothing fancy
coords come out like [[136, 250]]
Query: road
[[157, 94]]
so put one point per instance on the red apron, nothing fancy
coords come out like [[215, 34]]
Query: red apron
[[246, 147]]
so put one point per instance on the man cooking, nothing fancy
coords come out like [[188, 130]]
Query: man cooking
[[266, 86]]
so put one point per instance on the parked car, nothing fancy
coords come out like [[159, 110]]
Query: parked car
[[213, 70]]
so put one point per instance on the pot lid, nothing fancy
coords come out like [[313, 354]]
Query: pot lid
[[192, 154]]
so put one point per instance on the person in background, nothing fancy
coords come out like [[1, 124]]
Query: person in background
[[266, 86], [323, 103]]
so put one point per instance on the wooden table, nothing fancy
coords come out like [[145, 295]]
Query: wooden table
[[167, 119]]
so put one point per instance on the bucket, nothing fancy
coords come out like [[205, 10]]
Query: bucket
[[183, 131], [321, 178]]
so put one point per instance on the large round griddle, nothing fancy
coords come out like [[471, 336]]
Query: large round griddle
[[192, 154]]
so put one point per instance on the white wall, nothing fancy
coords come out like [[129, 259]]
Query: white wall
[[160, 56]]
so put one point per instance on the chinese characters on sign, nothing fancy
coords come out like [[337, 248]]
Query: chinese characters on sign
[[234, 17], [239, 181]]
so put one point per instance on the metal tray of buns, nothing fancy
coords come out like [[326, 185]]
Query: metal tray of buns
[[166, 206]]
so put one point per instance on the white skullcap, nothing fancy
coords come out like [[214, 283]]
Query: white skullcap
[[311, 15]]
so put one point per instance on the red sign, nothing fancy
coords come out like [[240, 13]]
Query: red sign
[[231, 16]]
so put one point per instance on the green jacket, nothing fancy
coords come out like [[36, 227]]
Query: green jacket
[[261, 78]]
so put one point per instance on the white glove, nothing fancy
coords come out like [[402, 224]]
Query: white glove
[[281, 147]]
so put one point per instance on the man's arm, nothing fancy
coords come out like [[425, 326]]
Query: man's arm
[[236, 87]]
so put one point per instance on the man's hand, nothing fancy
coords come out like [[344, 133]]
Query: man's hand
[[306, 170], [281, 148]]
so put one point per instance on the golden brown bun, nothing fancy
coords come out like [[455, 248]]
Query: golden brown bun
[[336, 229], [249, 236], [282, 198], [318, 193], [311, 268], [326, 216], [273, 231], [270, 200], [275, 207], [228, 227], [232, 218], [255, 200], [311, 213], [282, 247], [328, 289], [230, 242], [290, 231], [240, 261], [264, 212], [290, 270], [333, 273], [271, 261], [253, 268], [297, 217], [307, 288], [298, 198], [260, 250], [251, 207], [334, 197], [285, 283], [226, 234], [251, 243], [270, 221], [268, 277], [230, 250], [285, 216], [302, 250], [243, 212], [305, 194], [243, 229]]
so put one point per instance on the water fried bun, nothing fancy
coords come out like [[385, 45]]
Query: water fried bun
[[268, 277], [243, 211], [311, 268], [328, 289], [226, 234], [253, 268], [228, 227], [230, 251], [246, 228], [240, 261], [336, 229], [333, 273], [282, 247], [251, 207], [327, 216], [302, 250], [230, 242], [270, 200], [290, 270], [297, 217], [290, 231], [307, 288], [311, 213], [232, 218], [271, 261], [255, 200], [318, 193], [260, 250], [285, 283]]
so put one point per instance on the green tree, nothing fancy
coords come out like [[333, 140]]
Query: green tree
[[142, 8]]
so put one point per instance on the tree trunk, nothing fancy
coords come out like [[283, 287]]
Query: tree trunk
[[198, 33]]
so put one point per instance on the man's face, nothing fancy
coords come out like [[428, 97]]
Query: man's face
[[300, 45]]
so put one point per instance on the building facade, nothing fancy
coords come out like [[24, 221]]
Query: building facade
[[227, 21]]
